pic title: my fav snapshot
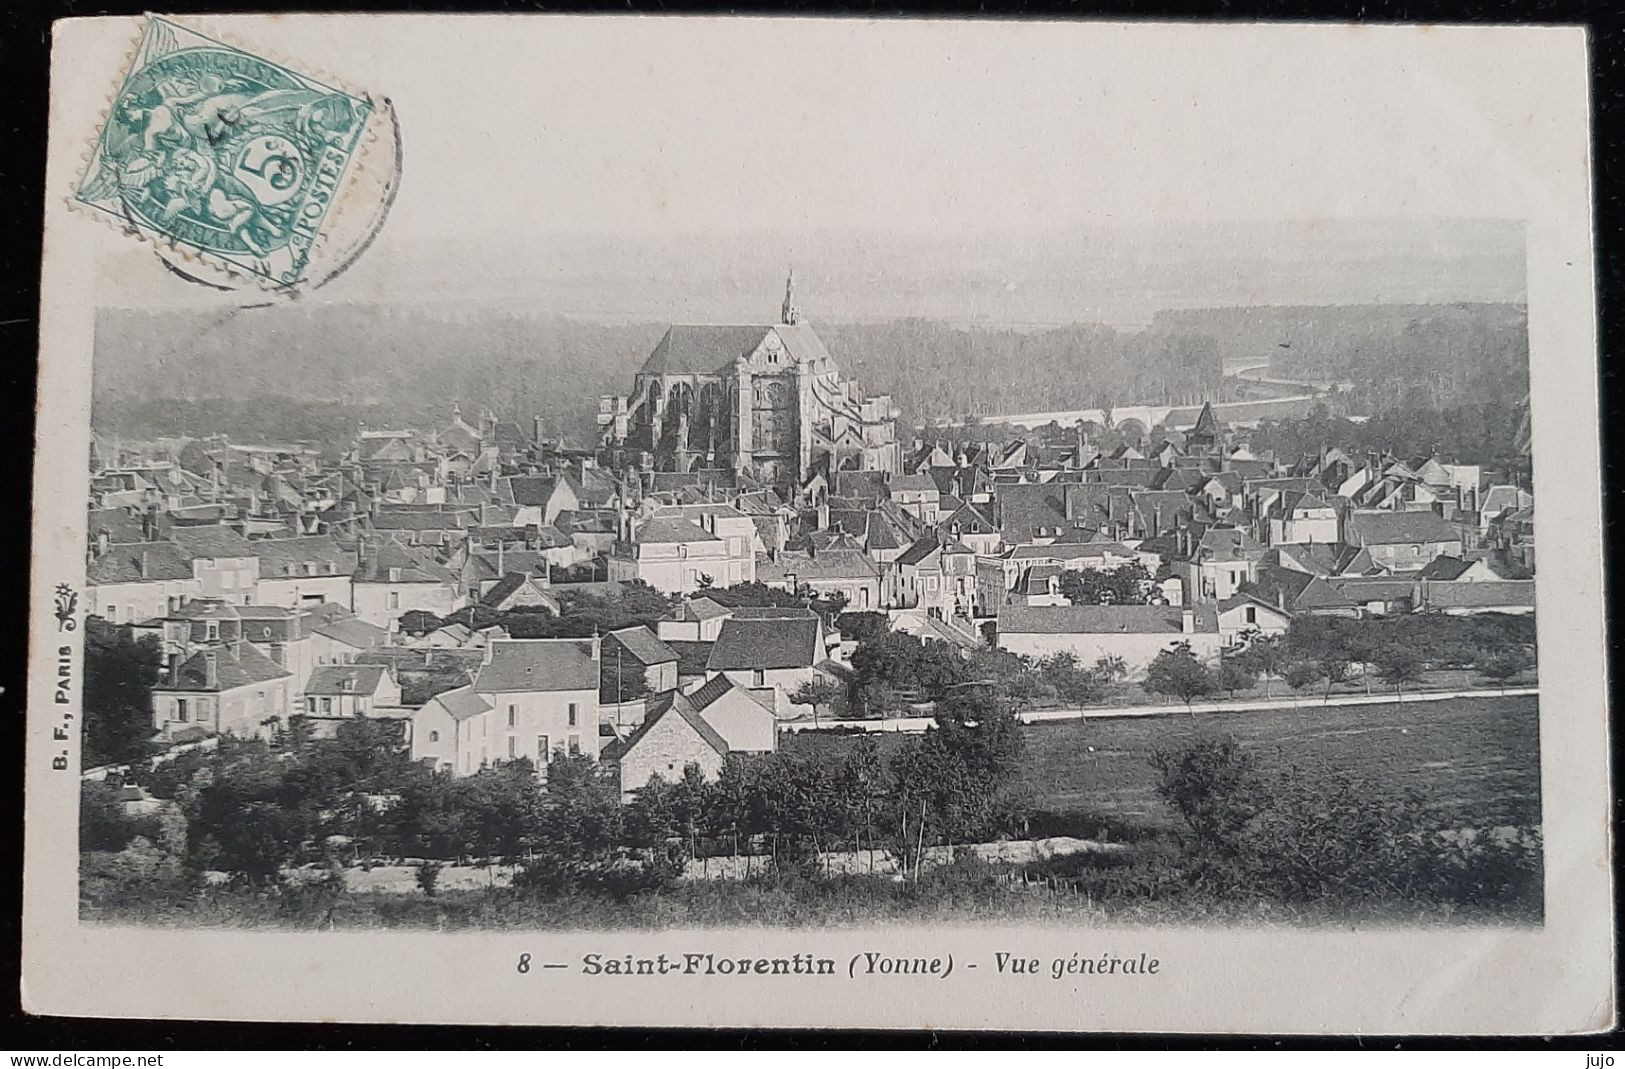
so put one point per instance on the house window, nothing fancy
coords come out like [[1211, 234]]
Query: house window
[[513, 715], [327, 705], [513, 747], [434, 736], [575, 745], [758, 677], [310, 703], [682, 552], [112, 614], [575, 715], [180, 710], [212, 629], [394, 599], [542, 749], [1252, 615]]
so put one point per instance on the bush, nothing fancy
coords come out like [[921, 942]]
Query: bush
[[1303, 836]]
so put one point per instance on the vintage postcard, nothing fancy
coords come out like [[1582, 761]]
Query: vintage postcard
[[818, 523]]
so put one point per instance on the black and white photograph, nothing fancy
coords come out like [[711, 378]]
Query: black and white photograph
[[803, 479]]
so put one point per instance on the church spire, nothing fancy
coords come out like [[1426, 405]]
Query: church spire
[[789, 314]]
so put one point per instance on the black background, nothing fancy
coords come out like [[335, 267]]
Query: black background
[[24, 61]]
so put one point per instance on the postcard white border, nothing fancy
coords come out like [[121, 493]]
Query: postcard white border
[[1487, 981]]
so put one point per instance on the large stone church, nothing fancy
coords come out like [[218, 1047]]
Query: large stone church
[[765, 401]]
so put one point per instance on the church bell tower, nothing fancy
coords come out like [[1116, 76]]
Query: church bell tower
[[789, 314]]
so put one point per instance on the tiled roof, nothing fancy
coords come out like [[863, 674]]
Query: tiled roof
[[1361, 589], [914, 484], [692, 656], [672, 704], [1103, 619], [920, 550], [540, 664], [532, 490], [1488, 594], [658, 531], [1064, 551], [337, 679], [211, 541], [699, 349], [1445, 568], [699, 609], [123, 563], [1397, 528], [281, 557], [353, 632], [765, 643], [642, 644], [419, 521], [235, 666], [415, 566], [507, 586], [462, 703], [826, 564]]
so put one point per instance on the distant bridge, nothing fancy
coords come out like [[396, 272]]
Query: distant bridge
[[1149, 416]]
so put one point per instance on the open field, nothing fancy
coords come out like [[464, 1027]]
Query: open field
[[1475, 761]]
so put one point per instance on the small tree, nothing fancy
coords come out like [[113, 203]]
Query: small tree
[[1212, 785], [1236, 674], [1176, 673], [1264, 654], [1301, 675], [1398, 665], [1111, 669], [820, 690], [428, 878], [1335, 668], [1501, 665]]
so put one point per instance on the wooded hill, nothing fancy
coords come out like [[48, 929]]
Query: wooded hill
[[314, 371]]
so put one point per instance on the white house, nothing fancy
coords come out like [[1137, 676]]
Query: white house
[[447, 727], [337, 693], [133, 582], [393, 579], [544, 699], [1136, 633], [672, 555], [303, 571], [1244, 613]]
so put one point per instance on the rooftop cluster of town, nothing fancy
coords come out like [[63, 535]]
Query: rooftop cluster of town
[[286, 587]]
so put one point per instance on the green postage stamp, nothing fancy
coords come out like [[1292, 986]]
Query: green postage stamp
[[228, 158]]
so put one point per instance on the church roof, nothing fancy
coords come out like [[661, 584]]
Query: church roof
[[1206, 422], [700, 349], [704, 349]]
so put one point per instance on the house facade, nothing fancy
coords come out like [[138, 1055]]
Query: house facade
[[1135, 633]]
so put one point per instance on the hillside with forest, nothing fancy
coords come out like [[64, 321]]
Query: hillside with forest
[[314, 371]]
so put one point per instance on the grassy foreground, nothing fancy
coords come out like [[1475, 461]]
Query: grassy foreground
[[1475, 761]]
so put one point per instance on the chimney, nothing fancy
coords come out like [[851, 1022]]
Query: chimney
[[172, 668], [141, 564], [211, 669], [1187, 622], [597, 647], [536, 429]]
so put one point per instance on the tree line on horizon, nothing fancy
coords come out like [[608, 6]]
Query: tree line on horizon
[[323, 369]]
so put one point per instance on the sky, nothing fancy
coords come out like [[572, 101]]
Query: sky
[[522, 134]]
